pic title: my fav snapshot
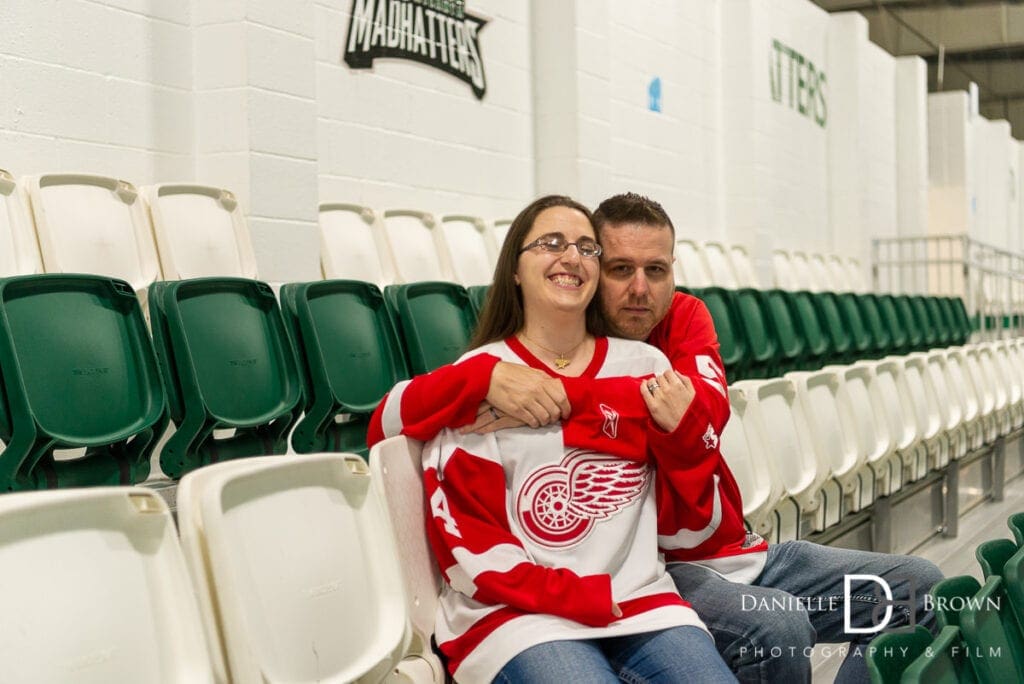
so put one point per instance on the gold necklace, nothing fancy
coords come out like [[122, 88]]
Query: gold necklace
[[561, 359]]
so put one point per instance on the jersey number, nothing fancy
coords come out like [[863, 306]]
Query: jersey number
[[439, 508]]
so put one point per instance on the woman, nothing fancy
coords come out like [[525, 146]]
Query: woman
[[547, 537]]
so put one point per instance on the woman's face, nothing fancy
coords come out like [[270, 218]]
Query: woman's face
[[553, 281]]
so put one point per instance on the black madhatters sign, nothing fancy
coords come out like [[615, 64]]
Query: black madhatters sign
[[439, 33]]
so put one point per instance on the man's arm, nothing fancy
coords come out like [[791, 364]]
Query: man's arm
[[687, 337]]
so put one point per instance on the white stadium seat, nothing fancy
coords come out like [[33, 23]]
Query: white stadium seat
[[821, 273], [200, 231], [805, 279], [999, 384], [352, 246], [987, 393], [961, 378], [785, 275], [719, 267], [855, 276], [95, 590], [834, 444], [690, 269], [93, 224], [951, 402], [864, 417], [743, 267], [902, 426], [499, 229], [840, 277], [792, 455], [470, 249], [743, 447], [397, 472], [19, 249], [413, 237], [1004, 356], [295, 564], [925, 402]]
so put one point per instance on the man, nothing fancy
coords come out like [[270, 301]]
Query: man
[[765, 605]]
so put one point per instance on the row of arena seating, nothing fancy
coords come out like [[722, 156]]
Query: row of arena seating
[[766, 333], [280, 568], [812, 447], [77, 223], [981, 625], [80, 370]]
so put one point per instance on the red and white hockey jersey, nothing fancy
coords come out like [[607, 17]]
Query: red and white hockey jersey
[[700, 509], [539, 531]]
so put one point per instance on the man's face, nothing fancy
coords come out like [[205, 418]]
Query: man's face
[[637, 282]]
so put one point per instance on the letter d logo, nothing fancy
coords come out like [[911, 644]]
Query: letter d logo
[[847, 580]]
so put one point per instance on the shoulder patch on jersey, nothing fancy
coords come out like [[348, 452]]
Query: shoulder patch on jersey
[[710, 438], [611, 421]]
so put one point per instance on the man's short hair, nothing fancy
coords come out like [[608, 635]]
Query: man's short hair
[[631, 207]]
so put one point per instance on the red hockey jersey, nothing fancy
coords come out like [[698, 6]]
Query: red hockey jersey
[[700, 509], [539, 531]]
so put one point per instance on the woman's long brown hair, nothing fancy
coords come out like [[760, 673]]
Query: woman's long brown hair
[[502, 315]]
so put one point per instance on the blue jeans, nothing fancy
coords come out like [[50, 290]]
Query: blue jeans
[[679, 654], [764, 635]]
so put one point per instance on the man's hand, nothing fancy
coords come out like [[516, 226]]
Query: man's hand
[[527, 395], [667, 396]]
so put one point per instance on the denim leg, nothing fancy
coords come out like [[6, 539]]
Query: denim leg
[[669, 656], [816, 572], [759, 642], [559, 662]]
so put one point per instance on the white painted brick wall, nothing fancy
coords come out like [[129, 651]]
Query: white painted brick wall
[[405, 135], [912, 145], [664, 154], [774, 158], [102, 86], [950, 175], [253, 95]]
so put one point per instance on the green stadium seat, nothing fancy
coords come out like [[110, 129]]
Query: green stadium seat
[[350, 356], [898, 335], [992, 635], [951, 593], [993, 554], [228, 364], [478, 295], [853, 319], [1016, 524], [881, 338], [762, 343], [944, 329], [435, 321], [732, 341], [891, 653], [819, 346], [963, 321], [790, 342], [930, 333], [1013, 578], [840, 337], [945, 661], [905, 312], [78, 371]]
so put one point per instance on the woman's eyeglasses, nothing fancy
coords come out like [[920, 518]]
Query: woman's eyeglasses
[[555, 243]]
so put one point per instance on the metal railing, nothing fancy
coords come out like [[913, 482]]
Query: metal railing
[[989, 279]]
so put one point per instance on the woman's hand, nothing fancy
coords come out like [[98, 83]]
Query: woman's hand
[[667, 397]]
